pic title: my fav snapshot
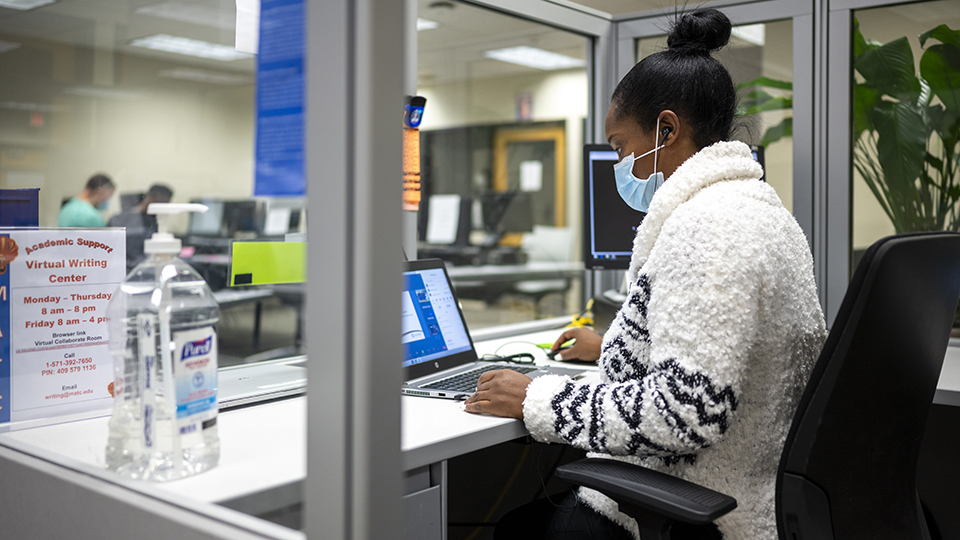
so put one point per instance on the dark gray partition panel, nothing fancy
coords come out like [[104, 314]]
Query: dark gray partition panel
[[353, 138], [809, 179], [43, 499]]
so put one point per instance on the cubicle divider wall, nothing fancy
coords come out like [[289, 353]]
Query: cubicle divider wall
[[355, 64], [761, 47]]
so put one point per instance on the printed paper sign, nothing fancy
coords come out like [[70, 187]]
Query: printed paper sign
[[54, 288]]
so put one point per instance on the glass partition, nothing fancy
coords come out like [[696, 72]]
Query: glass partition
[[148, 93], [501, 145], [906, 132], [759, 58]]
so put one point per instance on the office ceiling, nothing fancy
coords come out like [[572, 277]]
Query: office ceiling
[[454, 48]]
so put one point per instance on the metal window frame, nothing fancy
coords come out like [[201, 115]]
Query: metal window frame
[[808, 177], [355, 73], [356, 57], [837, 18]]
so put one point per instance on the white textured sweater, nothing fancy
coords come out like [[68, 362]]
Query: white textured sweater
[[703, 366]]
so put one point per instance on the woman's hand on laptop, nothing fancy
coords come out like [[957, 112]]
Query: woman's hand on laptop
[[500, 393], [585, 348]]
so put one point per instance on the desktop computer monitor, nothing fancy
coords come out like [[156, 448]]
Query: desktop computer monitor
[[280, 215], [609, 225], [129, 200], [241, 216], [207, 223], [507, 212]]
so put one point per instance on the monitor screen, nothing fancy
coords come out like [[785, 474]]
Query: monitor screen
[[240, 216], [129, 200], [207, 223], [431, 324], [507, 211], [609, 225]]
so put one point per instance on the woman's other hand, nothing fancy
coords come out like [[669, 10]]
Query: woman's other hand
[[500, 393], [586, 348]]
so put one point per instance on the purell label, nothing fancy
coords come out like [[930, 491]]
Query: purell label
[[195, 376], [197, 348]]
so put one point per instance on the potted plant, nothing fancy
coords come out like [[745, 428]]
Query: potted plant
[[906, 128]]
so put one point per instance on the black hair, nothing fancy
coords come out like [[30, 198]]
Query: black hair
[[98, 181], [160, 192], [685, 78]]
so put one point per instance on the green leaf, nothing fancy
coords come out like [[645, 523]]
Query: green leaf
[[860, 44], [901, 145], [940, 66], [864, 100], [757, 96], [768, 82], [890, 70], [772, 104], [943, 34], [777, 132], [945, 123]]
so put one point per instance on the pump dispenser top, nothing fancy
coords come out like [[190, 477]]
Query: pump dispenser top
[[162, 241]]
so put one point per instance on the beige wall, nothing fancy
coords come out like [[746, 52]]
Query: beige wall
[[560, 95], [144, 128]]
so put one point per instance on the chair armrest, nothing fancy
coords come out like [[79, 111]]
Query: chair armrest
[[651, 491]]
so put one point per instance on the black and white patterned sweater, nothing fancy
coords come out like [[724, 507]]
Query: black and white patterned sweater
[[703, 366]]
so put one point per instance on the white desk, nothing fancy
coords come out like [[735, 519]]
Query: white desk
[[948, 387], [515, 272], [264, 447]]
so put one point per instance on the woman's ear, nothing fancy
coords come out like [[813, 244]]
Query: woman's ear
[[669, 127]]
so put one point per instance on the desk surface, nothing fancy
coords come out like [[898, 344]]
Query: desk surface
[[263, 447], [515, 272], [232, 297]]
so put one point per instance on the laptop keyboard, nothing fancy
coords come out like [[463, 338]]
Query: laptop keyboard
[[467, 381]]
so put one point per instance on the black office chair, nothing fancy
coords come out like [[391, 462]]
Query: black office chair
[[848, 468]]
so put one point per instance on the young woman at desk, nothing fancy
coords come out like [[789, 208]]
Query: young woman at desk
[[706, 360]]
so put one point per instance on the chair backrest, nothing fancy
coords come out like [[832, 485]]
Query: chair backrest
[[848, 469]]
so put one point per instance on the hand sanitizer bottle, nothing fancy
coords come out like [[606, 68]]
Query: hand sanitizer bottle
[[163, 341]]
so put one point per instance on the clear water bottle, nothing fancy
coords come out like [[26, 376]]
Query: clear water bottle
[[163, 342]]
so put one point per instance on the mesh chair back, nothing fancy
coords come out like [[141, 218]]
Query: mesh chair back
[[848, 468]]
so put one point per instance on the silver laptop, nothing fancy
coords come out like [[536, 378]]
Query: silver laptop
[[440, 360]]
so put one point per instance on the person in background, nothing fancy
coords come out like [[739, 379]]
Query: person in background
[[139, 224], [84, 209], [704, 364]]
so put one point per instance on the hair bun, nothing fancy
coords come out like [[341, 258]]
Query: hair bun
[[699, 31]]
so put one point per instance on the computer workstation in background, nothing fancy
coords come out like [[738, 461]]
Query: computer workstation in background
[[482, 230], [209, 243], [610, 225]]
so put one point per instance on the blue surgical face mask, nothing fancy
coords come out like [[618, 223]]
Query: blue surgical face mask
[[635, 192], [103, 206]]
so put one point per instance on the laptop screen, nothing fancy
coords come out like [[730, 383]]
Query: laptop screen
[[431, 325]]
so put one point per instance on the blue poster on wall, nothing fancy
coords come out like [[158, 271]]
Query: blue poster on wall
[[280, 92]]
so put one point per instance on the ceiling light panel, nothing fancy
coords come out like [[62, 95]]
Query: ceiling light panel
[[6, 46], [534, 58], [426, 24], [205, 76], [190, 47], [191, 12], [24, 5]]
